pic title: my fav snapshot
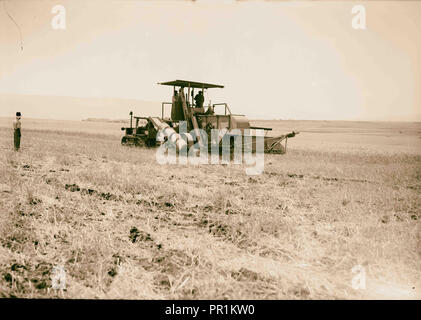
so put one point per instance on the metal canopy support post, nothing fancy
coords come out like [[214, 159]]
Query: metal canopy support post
[[188, 97], [184, 106]]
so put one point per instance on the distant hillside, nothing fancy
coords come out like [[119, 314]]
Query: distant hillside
[[106, 120], [71, 108]]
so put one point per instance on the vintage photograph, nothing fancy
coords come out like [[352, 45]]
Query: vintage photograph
[[210, 150]]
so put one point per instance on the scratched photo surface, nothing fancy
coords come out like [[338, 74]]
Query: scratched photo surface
[[210, 150]]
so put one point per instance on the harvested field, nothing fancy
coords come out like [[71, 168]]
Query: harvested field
[[123, 226]]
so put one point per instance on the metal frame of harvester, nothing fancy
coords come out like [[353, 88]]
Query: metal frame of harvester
[[145, 131]]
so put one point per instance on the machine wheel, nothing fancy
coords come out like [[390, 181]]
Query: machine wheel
[[150, 143], [139, 143], [128, 141]]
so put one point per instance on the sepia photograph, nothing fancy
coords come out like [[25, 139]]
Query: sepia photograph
[[220, 151]]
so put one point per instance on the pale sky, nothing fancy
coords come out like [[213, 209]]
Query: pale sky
[[289, 60]]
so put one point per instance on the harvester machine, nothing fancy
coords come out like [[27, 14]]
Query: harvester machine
[[188, 107]]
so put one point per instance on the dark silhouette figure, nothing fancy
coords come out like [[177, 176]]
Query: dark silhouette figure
[[16, 128], [199, 99]]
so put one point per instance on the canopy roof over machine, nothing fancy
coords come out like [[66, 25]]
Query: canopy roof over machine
[[191, 84]]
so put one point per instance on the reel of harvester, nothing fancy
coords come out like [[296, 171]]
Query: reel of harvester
[[274, 144]]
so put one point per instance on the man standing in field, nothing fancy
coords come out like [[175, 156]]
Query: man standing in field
[[16, 129]]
